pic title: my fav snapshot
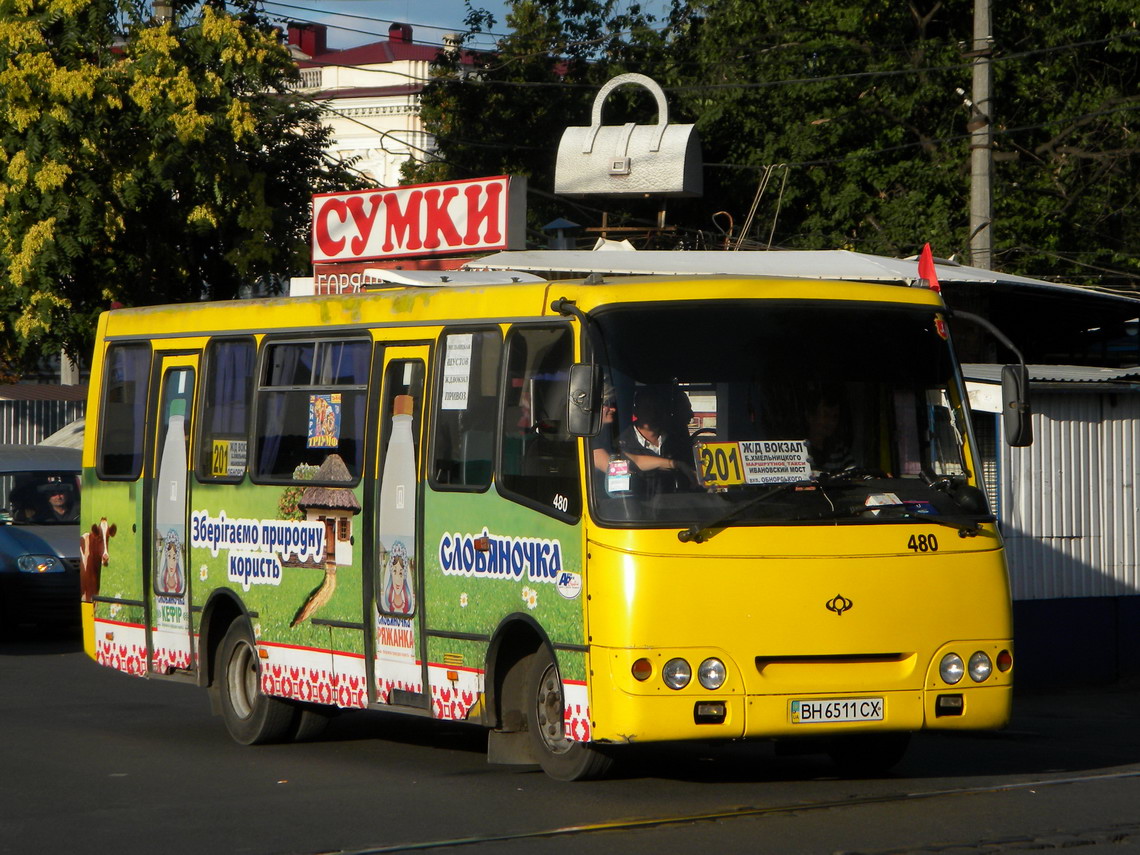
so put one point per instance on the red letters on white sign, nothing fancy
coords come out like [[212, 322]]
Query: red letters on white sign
[[424, 219]]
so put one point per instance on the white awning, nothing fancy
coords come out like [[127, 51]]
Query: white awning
[[444, 278], [838, 264]]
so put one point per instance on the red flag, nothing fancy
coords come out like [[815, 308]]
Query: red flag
[[926, 269]]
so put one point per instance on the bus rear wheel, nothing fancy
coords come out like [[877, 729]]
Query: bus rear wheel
[[560, 758], [251, 717]]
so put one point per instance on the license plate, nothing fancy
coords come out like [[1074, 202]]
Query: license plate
[[843, 709]]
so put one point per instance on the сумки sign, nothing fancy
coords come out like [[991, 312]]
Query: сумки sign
[[423, 219]]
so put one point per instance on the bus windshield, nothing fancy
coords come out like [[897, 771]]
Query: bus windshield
[[741, 413]]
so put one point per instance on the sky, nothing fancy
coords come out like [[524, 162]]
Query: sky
[[356, 22]]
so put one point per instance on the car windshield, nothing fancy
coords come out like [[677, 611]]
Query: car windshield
[[721, 414], [39, 497]]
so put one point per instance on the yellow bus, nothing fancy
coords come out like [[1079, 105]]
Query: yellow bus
[[581, 514]]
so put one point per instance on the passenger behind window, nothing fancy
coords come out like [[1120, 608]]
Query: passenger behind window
[[828, 430]]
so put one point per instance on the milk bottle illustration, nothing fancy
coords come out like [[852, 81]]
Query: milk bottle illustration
[[396, 665], [397, 523], [171, 611], [170, 506]]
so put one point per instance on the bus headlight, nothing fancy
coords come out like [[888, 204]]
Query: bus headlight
[[951, 668], [980, 667], [677, 673], [711, 674]]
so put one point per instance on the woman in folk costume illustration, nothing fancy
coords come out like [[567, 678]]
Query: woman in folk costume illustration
[[170, 578], [398, 595]]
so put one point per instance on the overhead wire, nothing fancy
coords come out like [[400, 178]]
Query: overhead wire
[[998, 132], [780, 38], [1067, 257], [709, 87], [761, 84], [323, 105], [372, 18], [369, 18], [885, 73]]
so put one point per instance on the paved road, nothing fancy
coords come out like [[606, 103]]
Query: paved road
[[94, 761]]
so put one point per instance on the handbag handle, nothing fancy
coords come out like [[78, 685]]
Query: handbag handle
[[623, 80]]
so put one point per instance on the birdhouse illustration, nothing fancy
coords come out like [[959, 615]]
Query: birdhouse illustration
[[334, 507]]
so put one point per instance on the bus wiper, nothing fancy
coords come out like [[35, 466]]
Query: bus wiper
[[699, 533], [965, 529]]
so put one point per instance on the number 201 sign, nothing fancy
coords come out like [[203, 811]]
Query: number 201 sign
[[724, 464]]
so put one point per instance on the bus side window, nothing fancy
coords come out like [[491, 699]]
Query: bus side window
[[311, 408], [227, 399], [539, 459], [467, 409], [122, 411]]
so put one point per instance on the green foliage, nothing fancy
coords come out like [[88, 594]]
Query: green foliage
[[289, 505], [1069, 153], [160, 163], [505, 116], [844, 123]]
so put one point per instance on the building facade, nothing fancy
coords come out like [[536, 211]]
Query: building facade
[[370, 95], [1069, 511]]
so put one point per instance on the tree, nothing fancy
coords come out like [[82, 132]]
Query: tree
[[849, 109], [506, 116], [1068, 171], [837, 123], [163, 163]]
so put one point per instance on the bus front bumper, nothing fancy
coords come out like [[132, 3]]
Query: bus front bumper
[[621, 717]]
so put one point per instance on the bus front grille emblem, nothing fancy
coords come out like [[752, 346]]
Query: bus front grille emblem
[[839, 604]]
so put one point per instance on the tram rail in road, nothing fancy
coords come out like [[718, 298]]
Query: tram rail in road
[[130, 763], [1115, 834]]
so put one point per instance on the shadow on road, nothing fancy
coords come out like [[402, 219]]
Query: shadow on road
[[1056, 733], [41, 641], [1066, 732], [1061, 732]]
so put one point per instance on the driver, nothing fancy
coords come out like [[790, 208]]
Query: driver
[[658, 437], [60, 505], [53, 500]]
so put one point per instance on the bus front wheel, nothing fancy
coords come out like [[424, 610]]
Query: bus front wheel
[[252, 718], [561, 758]]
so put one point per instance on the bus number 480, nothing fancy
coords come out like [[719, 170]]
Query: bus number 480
[[922, 543]]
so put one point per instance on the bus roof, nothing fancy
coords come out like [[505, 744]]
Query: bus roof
[[462, 302], [835, 264]]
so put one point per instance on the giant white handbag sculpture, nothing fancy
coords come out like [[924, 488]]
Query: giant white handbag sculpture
[[631, 159]]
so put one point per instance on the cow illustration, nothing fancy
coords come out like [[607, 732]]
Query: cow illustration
[[94, 555]]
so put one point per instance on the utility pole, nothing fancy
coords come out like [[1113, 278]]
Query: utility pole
[[981, 139], [68, 370]]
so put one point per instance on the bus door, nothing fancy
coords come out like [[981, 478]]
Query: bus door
[[169, 633], [393, 554]]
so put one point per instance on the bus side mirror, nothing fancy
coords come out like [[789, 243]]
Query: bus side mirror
[[1015, 405], [584, 417]]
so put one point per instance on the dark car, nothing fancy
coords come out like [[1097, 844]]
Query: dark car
[[39, 536]]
